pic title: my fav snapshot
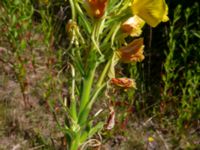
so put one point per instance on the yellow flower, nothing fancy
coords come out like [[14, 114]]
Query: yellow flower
[[123, 82], [150, 139], [133, 52], [133, 26], [96, 8], [151, 11]]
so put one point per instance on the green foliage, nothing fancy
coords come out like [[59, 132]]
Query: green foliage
[[16, 32], [181, 79]]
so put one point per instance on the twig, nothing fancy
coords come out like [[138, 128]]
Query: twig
[[162, 139], [91, 143], [37, 147]]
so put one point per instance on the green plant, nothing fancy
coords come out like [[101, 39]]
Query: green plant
[[17, 33], [102, 34], [97, 33], [170, 64], [190, 104], [181, 80]]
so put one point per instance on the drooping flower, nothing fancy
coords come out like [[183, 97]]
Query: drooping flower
[[96, 8], [151, 11], [125, 83], [133, 26], [133, 52]]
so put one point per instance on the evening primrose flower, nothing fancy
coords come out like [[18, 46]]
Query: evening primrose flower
[[125, 83], [133, 52], [96, 8], [133, 26], [151, 11]]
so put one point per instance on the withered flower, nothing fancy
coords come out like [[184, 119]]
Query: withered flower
[[96, 8], [133, 52], [133, 26], [125, 83]]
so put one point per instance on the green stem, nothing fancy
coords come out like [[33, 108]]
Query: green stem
[[114, 34], [73, 9], [103, 74], [87, 85], [95, 36], [107, 38], [84, 19], [88, 80], [84, 114], [73, 101], [75, 144], [98, 90]]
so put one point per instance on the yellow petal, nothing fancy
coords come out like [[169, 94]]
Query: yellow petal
[[151, 11]]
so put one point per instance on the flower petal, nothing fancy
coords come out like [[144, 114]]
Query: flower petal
[[151, 11]]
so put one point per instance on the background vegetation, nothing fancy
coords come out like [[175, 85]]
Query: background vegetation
[[34, 77]]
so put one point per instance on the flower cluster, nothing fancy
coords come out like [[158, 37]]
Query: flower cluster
[[151, 12]]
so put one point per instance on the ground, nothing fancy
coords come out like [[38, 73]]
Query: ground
[[34, 127]]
